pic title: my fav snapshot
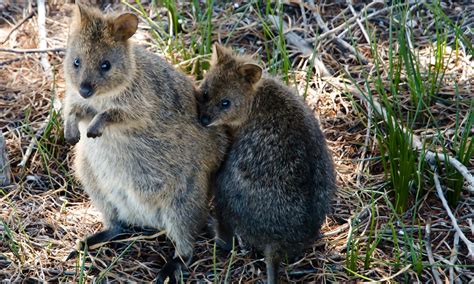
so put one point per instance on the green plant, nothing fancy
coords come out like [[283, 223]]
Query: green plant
[[463, 145], [276, 53]]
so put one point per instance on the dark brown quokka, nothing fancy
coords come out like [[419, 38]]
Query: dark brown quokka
[[141, 154], [275, 187]]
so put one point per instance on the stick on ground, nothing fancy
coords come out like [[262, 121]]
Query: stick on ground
[[17, 26], [338, 40], [5, 173], [49, 74], [33, 50], [439, 190]]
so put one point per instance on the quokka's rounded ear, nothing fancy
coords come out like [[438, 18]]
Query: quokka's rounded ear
[[125, 26], [80, 15], [251, 72], [220, 54]]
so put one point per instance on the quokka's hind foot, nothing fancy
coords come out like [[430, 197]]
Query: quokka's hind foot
[[224, 235], [172, 271], [225, 245]]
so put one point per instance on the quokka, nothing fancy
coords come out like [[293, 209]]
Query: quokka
[[275, 186], [141, 154]]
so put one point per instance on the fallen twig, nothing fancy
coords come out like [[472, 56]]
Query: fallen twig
[[432, 156], [369, 16], [42, 37], [33, 50], [5, 173], [454, 257], [17, 26], [403, 270], [429, 252], [360, 166], [363, 213], [33, 142], [439, 190], [328, 33], [338, 40], [7, 62], [364, 32], [49, 73]]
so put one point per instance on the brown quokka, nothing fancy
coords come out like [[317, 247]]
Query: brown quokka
[[275, 186], [152, 163]]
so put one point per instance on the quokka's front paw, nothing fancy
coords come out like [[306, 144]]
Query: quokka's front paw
[[93, 132], [71, 135]]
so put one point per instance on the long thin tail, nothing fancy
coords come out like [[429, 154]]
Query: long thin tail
[[272, 260]]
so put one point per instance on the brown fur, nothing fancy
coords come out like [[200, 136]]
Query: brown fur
[[275, 186], [152, 163]]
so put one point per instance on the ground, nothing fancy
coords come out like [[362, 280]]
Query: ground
[[415, 59]]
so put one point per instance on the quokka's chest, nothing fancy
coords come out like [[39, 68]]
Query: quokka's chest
[[117, 182]]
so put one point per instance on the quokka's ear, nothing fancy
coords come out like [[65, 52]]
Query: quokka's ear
[[80, 16], [124, 26], [220, 54], [251, 72]]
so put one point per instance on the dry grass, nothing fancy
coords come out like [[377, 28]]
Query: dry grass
[[45, 211]]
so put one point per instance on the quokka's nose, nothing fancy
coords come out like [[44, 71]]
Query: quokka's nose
[[205, 120], [86, 90]]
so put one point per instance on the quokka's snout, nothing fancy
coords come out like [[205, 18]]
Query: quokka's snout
[[86, 90], [205, 120]]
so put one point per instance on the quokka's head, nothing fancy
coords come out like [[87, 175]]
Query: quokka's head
[[227, 91], [99, 58]]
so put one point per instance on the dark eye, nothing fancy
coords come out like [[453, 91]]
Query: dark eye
[[205, 95], [105, 66], [225, 103], [77, 63]]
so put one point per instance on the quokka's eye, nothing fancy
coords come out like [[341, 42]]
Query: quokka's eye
[[105, 66], [225, 103], [205, 95], [77, 63]]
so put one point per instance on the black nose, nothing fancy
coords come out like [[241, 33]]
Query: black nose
[[86, 90], [205, 120]]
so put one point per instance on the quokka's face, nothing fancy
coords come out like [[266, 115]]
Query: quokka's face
[[99, 72], [225, 96], [98, 59], [223, 101]]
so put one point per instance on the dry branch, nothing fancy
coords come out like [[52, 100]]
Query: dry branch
[[49, 74], [432, 156], [439, 190], [429, 252], [17, 26], [331, 32], [42, 37], [340, 41], [454, 257], [33, 50], [10, 61], [5, 173], [364, 32]]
